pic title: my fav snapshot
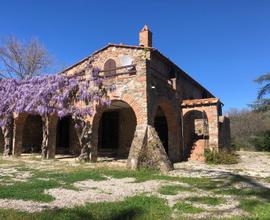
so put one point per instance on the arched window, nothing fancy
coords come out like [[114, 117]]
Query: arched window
[[109, 67]]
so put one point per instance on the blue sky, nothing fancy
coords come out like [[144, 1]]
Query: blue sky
[[224, 44]]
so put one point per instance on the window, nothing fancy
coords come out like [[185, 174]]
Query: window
[[109, 67]]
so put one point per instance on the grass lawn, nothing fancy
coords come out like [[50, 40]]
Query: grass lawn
[[201, 195], [137, 207]]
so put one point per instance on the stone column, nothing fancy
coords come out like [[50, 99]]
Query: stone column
[[139, 140], [18, 134], [52, 136], [212, 114], [147, 150]]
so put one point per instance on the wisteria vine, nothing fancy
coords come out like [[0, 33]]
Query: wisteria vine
[[60, 95]]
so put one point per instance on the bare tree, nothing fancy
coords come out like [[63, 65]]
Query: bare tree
[[23, 59], [246, 124]]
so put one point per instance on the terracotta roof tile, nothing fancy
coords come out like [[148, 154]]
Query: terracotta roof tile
[[192, 102]]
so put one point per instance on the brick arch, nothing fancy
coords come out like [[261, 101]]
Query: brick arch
[[137, 108], [195, 134], [211, 111], [169, 111], [173, 126], [139, 118]]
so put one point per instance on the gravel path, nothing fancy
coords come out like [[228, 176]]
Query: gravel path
[[89, 192], [253, 165], [112, 190]]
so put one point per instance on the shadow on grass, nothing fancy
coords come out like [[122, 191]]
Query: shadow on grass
[[254, 196], [137, 207], [78, 213]]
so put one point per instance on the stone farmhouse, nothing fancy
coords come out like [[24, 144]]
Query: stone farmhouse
[[154, 100]]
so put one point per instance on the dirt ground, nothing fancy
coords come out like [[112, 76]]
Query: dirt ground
[[254, 164]]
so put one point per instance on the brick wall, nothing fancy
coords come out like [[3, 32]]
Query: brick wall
[[190, 136], [212, 114]]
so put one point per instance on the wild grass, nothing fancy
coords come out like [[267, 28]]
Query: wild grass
[[137, 207], [253, 198], [173, 189], [183, 207], [257, 209], [207, 200], [30, 190]]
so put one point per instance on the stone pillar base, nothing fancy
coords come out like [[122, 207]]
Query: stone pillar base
[[147, 151]]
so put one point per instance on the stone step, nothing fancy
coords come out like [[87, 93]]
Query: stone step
[[197, 151]]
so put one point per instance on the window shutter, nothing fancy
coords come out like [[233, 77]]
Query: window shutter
[[109, 67]]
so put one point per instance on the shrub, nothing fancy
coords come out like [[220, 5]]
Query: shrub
[[261, 141], [221, 157]]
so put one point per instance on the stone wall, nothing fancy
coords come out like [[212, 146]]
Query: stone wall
[[224, 133], [156, 83], [130, 88], [186, 89], [168, 84], [161, 94]]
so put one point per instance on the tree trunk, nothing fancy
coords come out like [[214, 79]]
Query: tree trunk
[[84, 133], [45, 135], [8, 136], [85, 154]]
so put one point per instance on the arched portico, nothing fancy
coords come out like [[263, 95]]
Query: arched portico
[[66, 138], [113, 129], [166, 122], [32, 134], [161, 126], [20, 133], [195, 134], [201, 114]]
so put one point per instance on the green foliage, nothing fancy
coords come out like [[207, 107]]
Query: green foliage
[[261, 141], [220, 157], [247, 124], [261, 105]]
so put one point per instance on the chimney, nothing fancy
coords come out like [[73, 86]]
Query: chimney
[[145, 37]]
